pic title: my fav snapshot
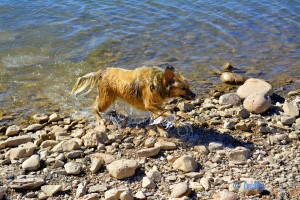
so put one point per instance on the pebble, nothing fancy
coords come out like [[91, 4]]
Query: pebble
[[92, 139], [232, 78], [72, 168], [139, 195], [32, 163], [126, 195], [22, 151], [239, 155], [243, 113], [13, 130], [180, 190], [149, 152], [290, 108], [123, 168], [54, 118], [201, 149], [205, 183], [16, 141], [287, 120], [186, 107], [257, 103], [164, 145], [214, 146], [26, 182], [254, 86], [50, 190], [230, 99], [40, 118], [185, 163], [68, 145], [113, 194], [148, 183], [81, 190], [227, 67], [98, 188], [96, 164], [225, 195]]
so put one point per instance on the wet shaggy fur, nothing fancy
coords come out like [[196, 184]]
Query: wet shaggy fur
[[145, 88]]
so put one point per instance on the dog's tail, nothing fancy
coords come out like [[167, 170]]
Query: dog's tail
[[88, 81]]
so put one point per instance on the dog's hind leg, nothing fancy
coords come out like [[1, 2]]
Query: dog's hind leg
[[102, 104]]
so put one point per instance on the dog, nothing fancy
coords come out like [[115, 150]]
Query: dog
[[145, 88]]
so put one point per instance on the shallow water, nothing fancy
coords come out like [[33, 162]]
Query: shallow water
[[46, 45]]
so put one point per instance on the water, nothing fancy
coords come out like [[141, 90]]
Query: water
[[46, 45]]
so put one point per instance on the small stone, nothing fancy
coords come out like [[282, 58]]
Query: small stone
[[294, 136], [149, 142], [290, 108], [201, 149], [54, 118], [123, 168], [22, 151], [225, 195], [154, 175], [180, 190], [148, 183], [126, 195], [231, 78], [243, 113], [229, 124], [40, 118], [113, 194], [252, 86], [279, 139], [97, 188], [140, 195], [149, 152], [227, 67], [230, 99], [185, 163], [186, 107], [164, 145], [32, 163], [107, 158], [72, 168], [96, 164], [13, 130], [92, 196], [34, 127], [205, 183], [81, 190], [287, 120], [50, 190], [48, 143], [26, 182], [17, 140], [214, 146], [92, 139], [257, 103], [66, 145], [239, 155]]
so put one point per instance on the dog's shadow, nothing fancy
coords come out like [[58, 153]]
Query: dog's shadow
[[189, 134]]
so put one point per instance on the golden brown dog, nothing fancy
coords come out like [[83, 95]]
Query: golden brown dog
[[145, 88]]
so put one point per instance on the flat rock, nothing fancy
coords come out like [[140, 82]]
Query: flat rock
[[165, 145], [123, 168], [68, 145], [13, 130], [34, 127], [26, 182], [72, 168], [252, 86], [180, 190], [257, 103], [225, 195], [185, 163], [40, 118], [290, 108], [54, 118], [22, 151], [113, 194], [32, 163], [16, 141], [230, 99], [232, 78], [239, 155], [149, 152], [48, 143], [96, 164], [97, 188], [287, 119], [50, 190]]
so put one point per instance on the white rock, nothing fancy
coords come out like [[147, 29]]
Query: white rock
[[72, 168], [140, 195], [257, 103], [148, 183], [239, 155], [123, 168], [13, 130], [50, 190], [81, 190], [180, 190], [205, 183], [185, 163], [96, 164], [287, 120], [32, 163], [252, 86], [290, 108]]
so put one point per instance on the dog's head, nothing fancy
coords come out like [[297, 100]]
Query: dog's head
[[178, 86]]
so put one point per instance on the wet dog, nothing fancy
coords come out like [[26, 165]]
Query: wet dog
[[145, 88]]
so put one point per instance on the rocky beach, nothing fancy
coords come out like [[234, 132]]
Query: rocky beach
[[240, 143]]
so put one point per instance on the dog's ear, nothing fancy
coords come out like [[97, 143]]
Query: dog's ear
[[169, 75]]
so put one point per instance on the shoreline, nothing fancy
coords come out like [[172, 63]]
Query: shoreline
[[218, 150]]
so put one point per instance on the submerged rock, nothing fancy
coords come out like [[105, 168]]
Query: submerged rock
[[232, 79]]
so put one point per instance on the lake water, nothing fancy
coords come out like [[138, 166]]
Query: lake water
[[45, 45]]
